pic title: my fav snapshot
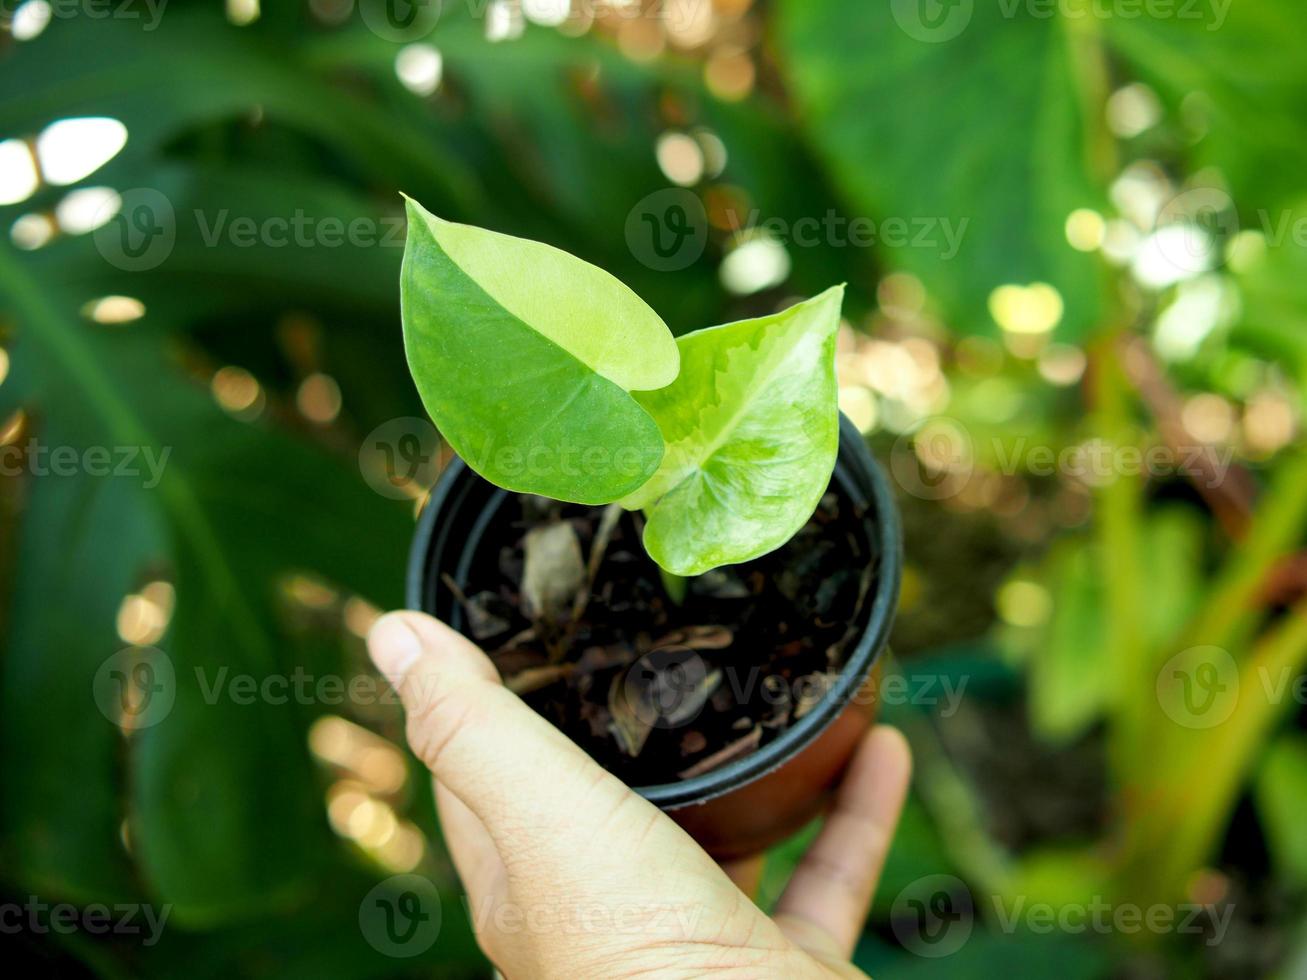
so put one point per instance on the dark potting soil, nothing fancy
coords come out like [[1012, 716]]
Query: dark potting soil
[[578, 621]]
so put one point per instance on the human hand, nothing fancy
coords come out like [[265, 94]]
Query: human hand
[[570, 874]]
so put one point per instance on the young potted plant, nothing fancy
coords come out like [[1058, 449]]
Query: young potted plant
[[673, 548]]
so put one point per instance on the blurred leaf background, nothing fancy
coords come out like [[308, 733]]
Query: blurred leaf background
[[1126, 187]]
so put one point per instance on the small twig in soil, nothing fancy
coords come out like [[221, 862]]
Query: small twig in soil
[[603, 535], [535, 678], [741, 746]]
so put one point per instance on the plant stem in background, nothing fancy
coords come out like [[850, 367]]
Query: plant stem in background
[[1094, 82], [1195, 775], [1185, 785], [1119, 532], [1278, 526], [674, 584]]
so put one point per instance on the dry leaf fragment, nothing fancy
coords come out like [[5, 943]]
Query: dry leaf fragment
[[480, 619], [629, 727], [658, 690], [692, 743], [597, 658], [688, 704], [812, 688], [777, 696], [554, 571], [596, 717]]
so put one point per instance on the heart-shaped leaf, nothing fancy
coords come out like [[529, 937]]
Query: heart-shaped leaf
[[752, 428], [525, 356], [975, 149]]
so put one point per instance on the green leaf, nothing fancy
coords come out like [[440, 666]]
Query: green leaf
[[525, 357], [1281, 794], [61, 812], [752, 428], [319, 938], [975, 146], [1069, 683], [988, 953], [1273, 299], [220, 797], [1069, 660], [89, 66], [1225, 74]]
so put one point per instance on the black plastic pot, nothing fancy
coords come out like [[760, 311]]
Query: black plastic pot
[[750, 803]]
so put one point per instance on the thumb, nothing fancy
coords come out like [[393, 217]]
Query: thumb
[[571, 837], [519, 774]]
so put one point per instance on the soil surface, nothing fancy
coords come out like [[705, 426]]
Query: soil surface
[[579, 622]]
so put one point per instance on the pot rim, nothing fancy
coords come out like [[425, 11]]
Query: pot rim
[[861, 477]]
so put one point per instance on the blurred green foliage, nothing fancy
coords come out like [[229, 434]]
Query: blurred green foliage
[[1077, 145]]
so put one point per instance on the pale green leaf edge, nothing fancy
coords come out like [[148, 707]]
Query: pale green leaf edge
[[634, 348]]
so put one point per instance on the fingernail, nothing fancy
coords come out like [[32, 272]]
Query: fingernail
[[394, 646]]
